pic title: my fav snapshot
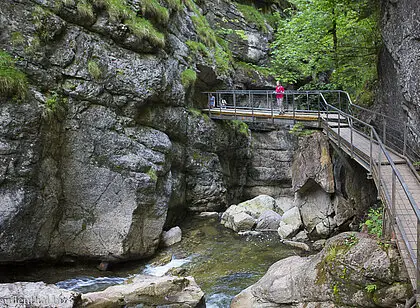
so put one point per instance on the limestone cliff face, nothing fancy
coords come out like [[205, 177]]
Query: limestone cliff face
[[332, 192], [399, 67], [106, 147]]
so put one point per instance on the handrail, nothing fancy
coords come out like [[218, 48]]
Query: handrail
[[262, 100], [390, 196], [381, 145]]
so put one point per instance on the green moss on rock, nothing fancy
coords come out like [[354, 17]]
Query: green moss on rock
[[13, 83]]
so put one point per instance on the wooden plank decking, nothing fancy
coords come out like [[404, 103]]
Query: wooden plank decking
[[405, 227]]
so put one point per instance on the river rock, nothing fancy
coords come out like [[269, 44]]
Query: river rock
[[290, 223], [269, 220], [297, 244], [244, 216], [142, 290], [37, 294], [352, 269], [172, 236], [237, 219]]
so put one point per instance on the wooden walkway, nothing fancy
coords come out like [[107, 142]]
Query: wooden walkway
[[400, 193], [401, 211]]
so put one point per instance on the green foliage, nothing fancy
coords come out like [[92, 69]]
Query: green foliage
[[252, 15], [13, 83], [198, 48], [299, 130], [209, 44], [252, 67], [17, 38], [188, 77], [175, 4], [196, 113], [204, 31], [54, 102], [338, 40], [152, 174], [154, 8], [117, 9], [371, 288], [351, 240], [239, 33], [85, 9], [142, 28], [374, 221], [94, 69], [239, 126]]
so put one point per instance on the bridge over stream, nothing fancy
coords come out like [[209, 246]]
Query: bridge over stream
[[383, 149]]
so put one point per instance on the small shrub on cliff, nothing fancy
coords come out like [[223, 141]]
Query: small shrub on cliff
[[153, 8], [13, 82], [373, 222], [142, 28], [85, 9], [299, 130], [188, 77], [252, 15], [175, 4]]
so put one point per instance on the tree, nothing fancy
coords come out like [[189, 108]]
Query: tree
[[336, 39]]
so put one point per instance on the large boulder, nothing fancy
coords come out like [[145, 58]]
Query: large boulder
[[312, 161], [37, 294], [269, 220], [331, 193], [244, 216], [352, 270], [153, 291], [290, 224], [172, 236]]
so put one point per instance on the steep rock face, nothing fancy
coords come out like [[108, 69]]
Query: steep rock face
[[271, 159], [400, 64], [105, 148], [331, 191], [351, 271]]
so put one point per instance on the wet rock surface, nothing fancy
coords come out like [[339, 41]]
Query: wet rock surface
[[352, 270]]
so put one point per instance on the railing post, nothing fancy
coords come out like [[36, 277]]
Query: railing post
[[319, 111], [272, 108], [384, 131], [405, 140], [393, 197], [234, 102], [379, 166], [351, 140], [371, 151], [307, 100], [338, 130], [417, 265], [293, 106], [339, 100], [252, 106]]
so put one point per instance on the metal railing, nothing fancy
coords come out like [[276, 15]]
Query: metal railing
[[396, 135], [387, 190], [389, 138]]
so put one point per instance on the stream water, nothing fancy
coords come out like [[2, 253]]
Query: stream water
[[222, 262]]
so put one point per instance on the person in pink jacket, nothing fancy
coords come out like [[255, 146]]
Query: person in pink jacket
[[279, 97]]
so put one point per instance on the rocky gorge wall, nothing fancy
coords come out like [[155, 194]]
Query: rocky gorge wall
[[105, 147], [399, 64]]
